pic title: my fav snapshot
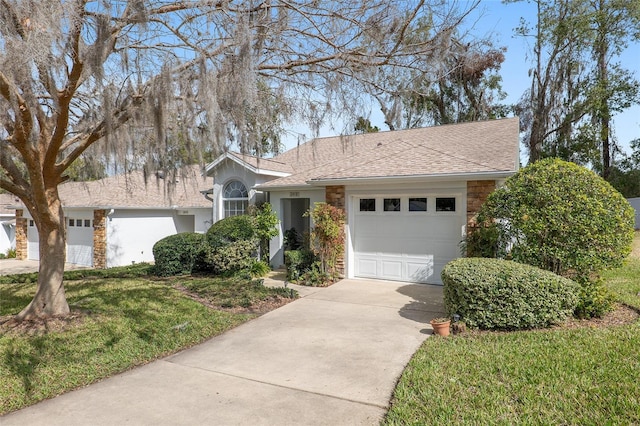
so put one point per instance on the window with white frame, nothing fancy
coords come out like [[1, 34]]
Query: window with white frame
[[235, 198]]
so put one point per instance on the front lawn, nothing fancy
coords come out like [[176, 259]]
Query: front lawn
[[584, 374], [117, 323]]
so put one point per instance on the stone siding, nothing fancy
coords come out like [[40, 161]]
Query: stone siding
[[22, 245], [477, 193], [99, 239], [335, 196]]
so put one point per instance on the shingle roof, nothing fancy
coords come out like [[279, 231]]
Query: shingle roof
[[477, 147], [263, 163], [133, 191], [7, 201]]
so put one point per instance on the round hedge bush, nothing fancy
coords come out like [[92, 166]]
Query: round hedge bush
[[506, 295], [178, 254], [230, 230], [561, 217]]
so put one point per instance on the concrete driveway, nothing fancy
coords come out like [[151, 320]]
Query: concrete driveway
[[14, 266], [330, 358]]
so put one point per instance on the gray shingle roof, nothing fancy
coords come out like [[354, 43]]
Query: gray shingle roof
[[133, 191], [477, 147]]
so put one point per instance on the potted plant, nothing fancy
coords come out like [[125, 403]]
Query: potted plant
[[440, 326]]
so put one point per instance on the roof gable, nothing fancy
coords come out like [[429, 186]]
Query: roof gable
[[257, 165]]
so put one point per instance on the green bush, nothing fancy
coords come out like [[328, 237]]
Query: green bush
[[231, 258], [230, 230], [563, 218], [178, 254], [297, 263], [259, 269], [506, 295]]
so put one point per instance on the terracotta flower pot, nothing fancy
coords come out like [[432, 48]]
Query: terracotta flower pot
[[440, 327]]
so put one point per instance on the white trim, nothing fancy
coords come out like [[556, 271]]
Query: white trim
[[256, 170], [411, 178]]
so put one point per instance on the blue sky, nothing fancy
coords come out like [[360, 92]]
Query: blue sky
[[498, 19]]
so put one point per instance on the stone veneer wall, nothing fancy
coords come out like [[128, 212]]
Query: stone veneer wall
[[22, 247], [335, 196], [477, 193], [99, 239]]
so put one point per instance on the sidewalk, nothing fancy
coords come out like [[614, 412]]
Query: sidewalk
[[330, 358]]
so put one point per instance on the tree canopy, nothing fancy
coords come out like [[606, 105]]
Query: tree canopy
[[140, 83]]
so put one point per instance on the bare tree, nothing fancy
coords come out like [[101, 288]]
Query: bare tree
[[130, 78]]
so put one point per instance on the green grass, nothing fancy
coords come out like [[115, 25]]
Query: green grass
[[556, 376], [125, 322]]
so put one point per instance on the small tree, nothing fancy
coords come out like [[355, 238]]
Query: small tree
[[265, 223], [327, 236], [563, 218]]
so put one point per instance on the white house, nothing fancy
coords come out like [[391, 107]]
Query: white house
[[635, 203], [408, 195], [7, 222], [117, 220]]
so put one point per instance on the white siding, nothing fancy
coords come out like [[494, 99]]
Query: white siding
[[635, 203], [7, 234]]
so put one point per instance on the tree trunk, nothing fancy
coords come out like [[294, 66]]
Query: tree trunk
[[49, 300]]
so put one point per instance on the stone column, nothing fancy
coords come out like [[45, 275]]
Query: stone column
[[99, 239], [335, 196], [477, 193], [22, 245]]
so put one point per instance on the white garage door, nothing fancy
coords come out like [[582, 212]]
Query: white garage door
[[80, 241], [407, 238], [33, 241]]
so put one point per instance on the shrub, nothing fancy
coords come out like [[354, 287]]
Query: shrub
[[563, 218], [327, 236], [265, 224], [502, 294], [231, 229], [231, 258], [259, 269], [178, 254], [297, 263]]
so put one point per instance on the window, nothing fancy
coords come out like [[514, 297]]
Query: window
[[446, 204], [31, 224], [235, 198], [417, 204], [367, 204], [392, 204], [87, 223], [72, 222]]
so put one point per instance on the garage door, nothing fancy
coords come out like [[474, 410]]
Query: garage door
[[80, 241], [406, 238]]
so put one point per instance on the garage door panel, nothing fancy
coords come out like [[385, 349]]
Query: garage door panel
[[406, 246]]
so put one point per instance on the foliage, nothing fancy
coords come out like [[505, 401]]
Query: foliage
[[230, 230], [178, 254], [481, 241], [265, 222], [231, 258], [259, 269], [577, 83], [563, 218], [297, 263], [327, 236], [506, 295], [292, 240], [625, 175], [363, 125]]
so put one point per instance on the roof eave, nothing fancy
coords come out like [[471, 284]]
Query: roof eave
[[413, 178], [259, 171]]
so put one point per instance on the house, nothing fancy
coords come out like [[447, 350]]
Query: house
[[116, 221], [635, 203], [409, 195], [7, 223]]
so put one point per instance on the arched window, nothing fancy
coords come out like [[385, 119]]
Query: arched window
[[235, 198]]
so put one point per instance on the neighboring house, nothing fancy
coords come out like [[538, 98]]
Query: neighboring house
[[408, 195], [116, 221], [7, 223], [635, 203]]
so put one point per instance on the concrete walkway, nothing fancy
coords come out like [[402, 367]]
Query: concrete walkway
[[330, 358]]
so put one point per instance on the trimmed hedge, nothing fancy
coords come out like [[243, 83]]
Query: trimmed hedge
[[231, 258], [230, 230], [506, 295], [178, 254]]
